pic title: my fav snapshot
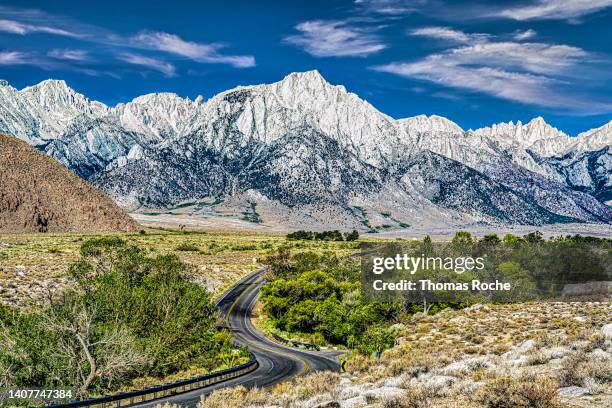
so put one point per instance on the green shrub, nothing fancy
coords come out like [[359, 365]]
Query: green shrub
[[128, 315], [187, 247], [318, 295]]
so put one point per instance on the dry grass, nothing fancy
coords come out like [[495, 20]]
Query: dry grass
[[286, 394], [307, 387], [582, 370], [439, 364], [528, 351], [508, 392], [234, 397], [414, 397], [441, 339], [31, 264]]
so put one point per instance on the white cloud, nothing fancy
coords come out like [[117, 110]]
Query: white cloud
[[69, 54], [331, 38], [205, 53], [24, 21], [392, 7], [165, 68], [449, 34], [515, 86], [16, 27], [13, 58], [524, 35], [532, 57], [530, 73], [555, 9]]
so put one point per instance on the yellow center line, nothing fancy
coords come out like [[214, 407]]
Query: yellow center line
[[306, 366]]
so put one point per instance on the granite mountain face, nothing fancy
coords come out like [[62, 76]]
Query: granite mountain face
[[306, 149]]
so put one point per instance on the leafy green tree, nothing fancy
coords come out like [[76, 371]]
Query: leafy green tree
[[301, 234], [534, 237], [523, 284], [128, 315], [301, 316], [352, 236], [462, 243], [512, 239], [491, 239], [375, 338], [332, 318], [427, 246]]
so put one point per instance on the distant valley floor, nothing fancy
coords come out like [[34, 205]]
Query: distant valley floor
[[228, 222]]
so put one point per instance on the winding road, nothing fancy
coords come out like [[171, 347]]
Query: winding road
[[277, 363]]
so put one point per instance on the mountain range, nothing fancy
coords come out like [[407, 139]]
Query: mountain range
[[305, 152]]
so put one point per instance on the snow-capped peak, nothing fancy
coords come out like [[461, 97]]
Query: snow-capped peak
[[158, 115], [536, 135], [50, 84], [158, 98], [306, 88], [44, 111], [307, 78], [52, 94], [429, 124], [538, 129], [594, 139]]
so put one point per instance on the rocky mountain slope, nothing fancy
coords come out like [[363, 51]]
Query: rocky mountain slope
[[302, 142], [37, 194]]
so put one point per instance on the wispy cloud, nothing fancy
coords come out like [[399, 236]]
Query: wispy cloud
[[522, 35], [555, 9], [165, 68], [200, 52], [48, 63], [391, 7], [332, 38], [13, 58], [69, 54], [449, 34], [21, 21], [526, 72], [515, 86], [16, 27], [531, 57]]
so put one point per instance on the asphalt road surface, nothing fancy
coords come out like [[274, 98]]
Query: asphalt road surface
[[277, 363]]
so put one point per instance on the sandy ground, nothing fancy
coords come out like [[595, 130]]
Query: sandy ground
[[236, 224]]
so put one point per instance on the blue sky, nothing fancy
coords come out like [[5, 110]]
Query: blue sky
[[474, 62]]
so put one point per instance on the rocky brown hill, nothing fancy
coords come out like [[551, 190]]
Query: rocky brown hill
[[38, 194]]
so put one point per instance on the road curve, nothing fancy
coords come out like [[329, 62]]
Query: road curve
[[277, 363]]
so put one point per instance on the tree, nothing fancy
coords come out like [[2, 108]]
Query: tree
[[129, 315], [352, 236], [103, 252], [427, 246], [332, 318], [103, 355], [301, 234], [491, 239], [301, 316], [523, 285], [334, 235], [511, 239], [463, 238], [533, 237]]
